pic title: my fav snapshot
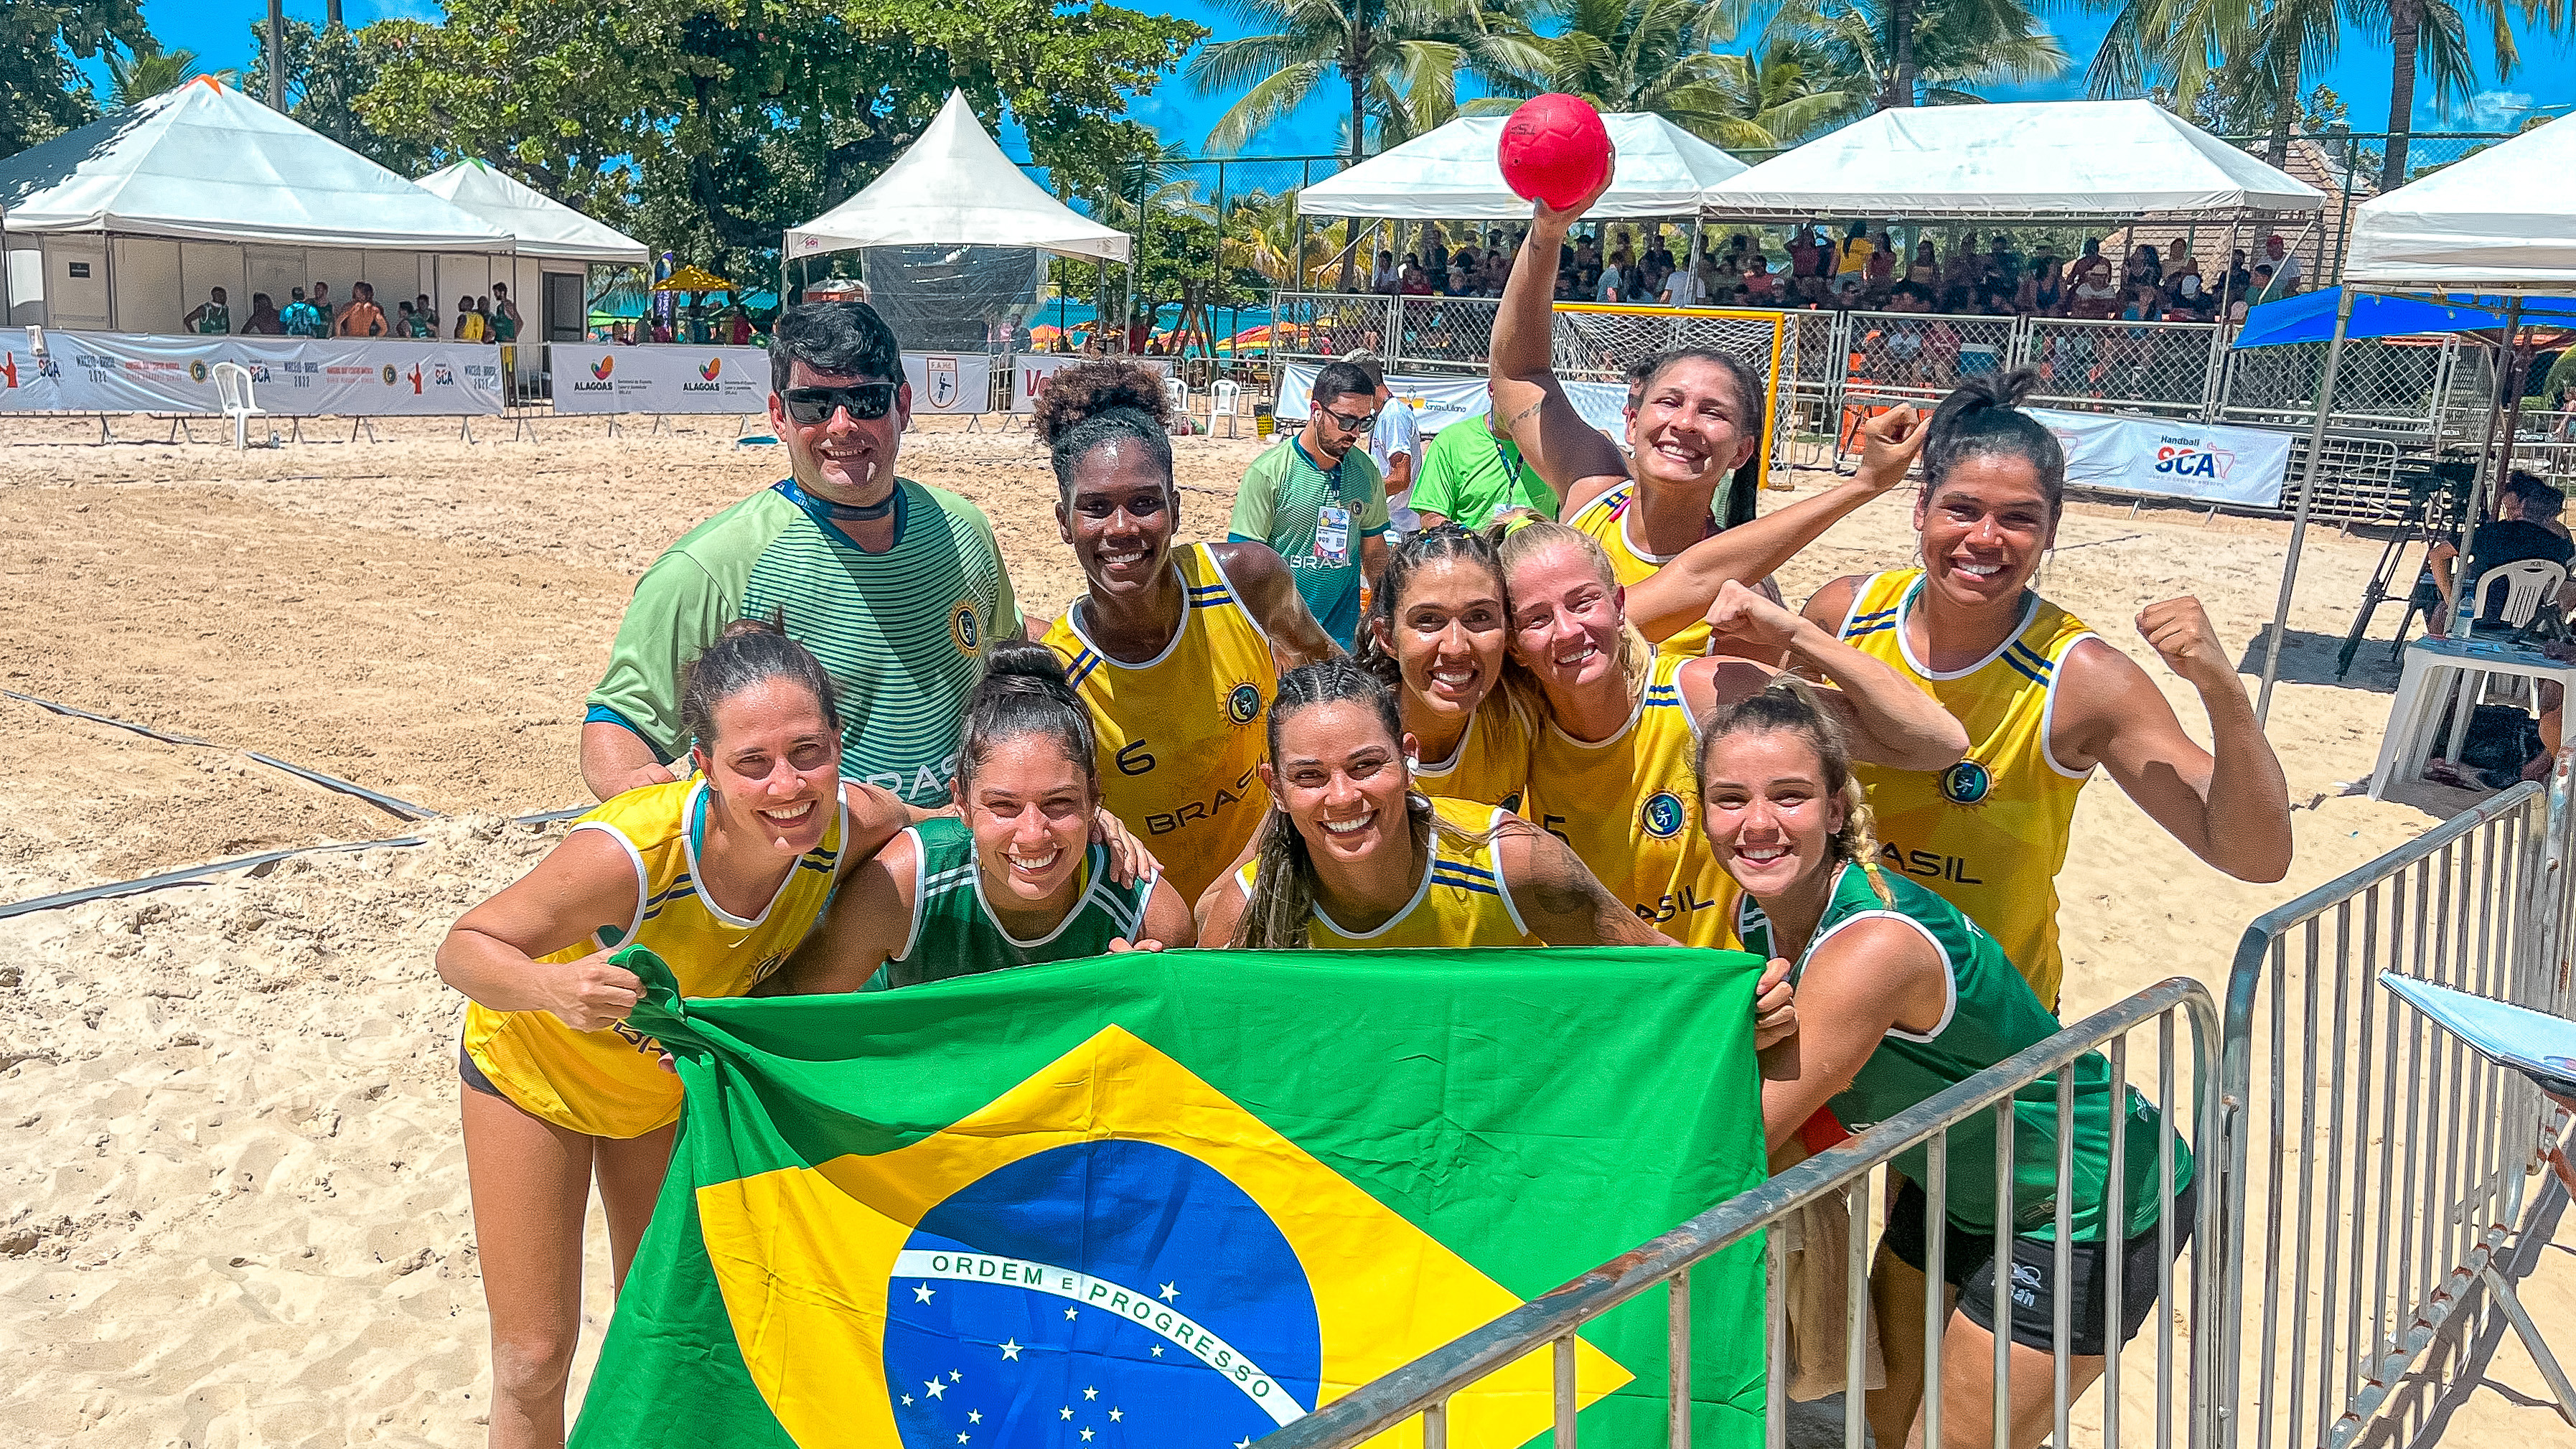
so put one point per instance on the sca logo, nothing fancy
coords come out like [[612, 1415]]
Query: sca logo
[[965, 628], [1966, 783], [197, 371], [714, 366], [1243, 705], [1662, 815], [2183, 460], [603, 367]]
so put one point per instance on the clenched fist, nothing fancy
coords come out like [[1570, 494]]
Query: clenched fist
[[2181, 633], [592, 994], [1889, 445]]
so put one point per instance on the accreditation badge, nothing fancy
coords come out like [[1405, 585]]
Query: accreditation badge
[[1333, 534]]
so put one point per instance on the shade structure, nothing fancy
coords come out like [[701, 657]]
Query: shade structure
[[2310, 317], [206, 163], [543, 226], [1452, 173], [693, 278], [955, 187], [2022, 162], [2503, 220]]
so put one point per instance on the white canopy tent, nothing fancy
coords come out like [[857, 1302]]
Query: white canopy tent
[[1452, 174], [2036, 161], [557, 247], [130, 220], [2489, 226], [955, 187]]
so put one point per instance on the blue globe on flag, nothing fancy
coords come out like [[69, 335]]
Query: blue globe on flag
[[1097, 1294]]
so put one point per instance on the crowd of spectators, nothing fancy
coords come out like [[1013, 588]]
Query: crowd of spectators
[[493, 318], [1863, 268]]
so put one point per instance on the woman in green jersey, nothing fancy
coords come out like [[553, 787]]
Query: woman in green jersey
[[1901, 997], [1016, 882]]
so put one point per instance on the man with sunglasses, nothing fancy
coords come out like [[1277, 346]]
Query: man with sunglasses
[[1316, 497], [894, 586]]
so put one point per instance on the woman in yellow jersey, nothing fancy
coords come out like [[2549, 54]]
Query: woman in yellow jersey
[[1611, 773], [721, 875], [1698, 420], [1175, 648], [1354, 858], [2044, 699], [1436, 633]]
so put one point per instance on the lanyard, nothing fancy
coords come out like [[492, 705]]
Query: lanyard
[[1511, 465]]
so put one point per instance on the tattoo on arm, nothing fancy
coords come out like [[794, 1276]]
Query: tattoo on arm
[[1564, 890], [1525, 414]]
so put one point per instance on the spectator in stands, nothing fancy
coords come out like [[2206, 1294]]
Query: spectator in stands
[[1567, 290], [1315, 497], [506, 321], [1804, 254], [1852, 257], [1925, 269], [1613, 287], [322, 303], [2285, 266], [2526, 526], [2095, 296], [362, 317], [212, 318], [264, 320], [1413, 282], [1384, 278], [2262, 291], [2145, 269], [469, 324], [424, 316], [1880, 269], [2239, 282], [2185, 299], [406, 323], [2090, 264], [300, 319]]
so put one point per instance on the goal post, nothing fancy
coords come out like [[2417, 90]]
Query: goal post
[[1599, 341]]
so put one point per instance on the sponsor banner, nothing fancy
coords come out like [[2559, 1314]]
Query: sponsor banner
[[1439, 400], [2171, 459], [1032, 369], [103, 372], [949, 382], [606, 378]]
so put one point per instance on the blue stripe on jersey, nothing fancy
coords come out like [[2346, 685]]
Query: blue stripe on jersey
[[2024, 670], [1439, 877], [1876, 615], [1878, 628], [1083, 663], [1464, 868], [2033, 658]]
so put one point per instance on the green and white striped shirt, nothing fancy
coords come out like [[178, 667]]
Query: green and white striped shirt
[[903, 631], [955, 934]]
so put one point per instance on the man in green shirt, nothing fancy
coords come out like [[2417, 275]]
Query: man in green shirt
[[1469, 474], [894, 586], [213, 319], [1316, 498]]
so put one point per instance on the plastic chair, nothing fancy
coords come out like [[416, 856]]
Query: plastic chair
[[233, 392], [1223, 402], [2532, 579], [1179, 392]]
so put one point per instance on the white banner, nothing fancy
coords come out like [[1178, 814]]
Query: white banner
[[1030, 371], [949, 382], [595, 377], [2171, 459], [105, 372], [1441, 399]]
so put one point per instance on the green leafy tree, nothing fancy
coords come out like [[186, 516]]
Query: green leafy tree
[[1773, 98], [1953, 46], [2432, 37], [322, 67], [42, 90], [142, 74]]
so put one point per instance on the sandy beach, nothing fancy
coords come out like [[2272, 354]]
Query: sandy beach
[[233, 1198]]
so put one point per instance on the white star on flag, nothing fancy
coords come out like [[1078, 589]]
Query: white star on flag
[[1117, 1414], [1010, 1348], [961, 1436], [1091, 1393], [922, 1292], [1158, 1350], [974, 1416], [907, 1401], [935, 1389], [1086, 1436], [1068, 1313], [1064, 1413], [954, 1376], [1170, 1292]]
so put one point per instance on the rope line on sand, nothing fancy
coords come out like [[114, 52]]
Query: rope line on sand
[[191, 874], [399, 809]]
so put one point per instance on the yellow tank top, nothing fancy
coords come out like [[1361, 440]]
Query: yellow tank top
[[1629, 806], [1181, 735], [1989, 833], [1462, 900], [609, 1083], [1605, 518], [1491, 764]]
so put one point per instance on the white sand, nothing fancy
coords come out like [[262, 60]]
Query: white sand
[[233, 1207]]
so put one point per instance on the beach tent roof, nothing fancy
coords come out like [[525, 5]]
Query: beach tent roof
[[955, 187], [1452, 173], [544, 226], [693, 278], [2033, 161], [206, 163], [2502, 220]]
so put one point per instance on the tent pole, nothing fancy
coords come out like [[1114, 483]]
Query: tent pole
[[2307, 500]]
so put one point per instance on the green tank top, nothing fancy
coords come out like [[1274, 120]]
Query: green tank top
[[955, 934], [1992, 1014], [215, 320]]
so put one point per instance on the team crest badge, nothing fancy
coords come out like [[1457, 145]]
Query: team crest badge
[[966, 629], [197, 371], [1243, 704], [392, 375], [1966, 783], [940, 376], [1663, 815]]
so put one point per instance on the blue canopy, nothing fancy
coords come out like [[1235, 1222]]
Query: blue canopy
[[2310, 316]]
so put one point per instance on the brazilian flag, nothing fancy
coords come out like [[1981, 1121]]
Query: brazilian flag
[[1182, 1199]]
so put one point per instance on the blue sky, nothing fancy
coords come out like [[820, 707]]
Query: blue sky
[[2546, 78]]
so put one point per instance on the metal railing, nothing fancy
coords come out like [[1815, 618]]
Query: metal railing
[[1839, 1180], [2393, 1159]]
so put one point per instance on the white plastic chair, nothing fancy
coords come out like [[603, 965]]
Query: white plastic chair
[[233, 391], [1223, 399], [2532, 579], [1179, 392]]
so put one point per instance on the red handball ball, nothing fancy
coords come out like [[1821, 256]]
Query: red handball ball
[[1554, 150]]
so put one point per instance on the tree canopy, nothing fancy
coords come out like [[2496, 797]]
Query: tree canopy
[[42, 91]]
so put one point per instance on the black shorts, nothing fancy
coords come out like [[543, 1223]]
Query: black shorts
[[472, 1075], [1967, 1261]]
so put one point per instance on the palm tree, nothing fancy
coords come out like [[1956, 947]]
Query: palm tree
[[1263, 234], [147, 73], [2257, 53], [1778, 97], [2433, 36], [1400, 59], [1955, 45]]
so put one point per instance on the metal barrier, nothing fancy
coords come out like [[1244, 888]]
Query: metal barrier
[[1840, 1180], [2393, 1158]]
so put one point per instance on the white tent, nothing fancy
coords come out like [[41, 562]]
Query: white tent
[[954, 186], [543, 226], [134, 217], [2021, 162], [2494, 222], [1453, 173]]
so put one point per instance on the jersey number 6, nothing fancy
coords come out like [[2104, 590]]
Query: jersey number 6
[[1133, 760]]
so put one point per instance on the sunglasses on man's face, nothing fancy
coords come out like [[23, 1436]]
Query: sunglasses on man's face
[[809, 405], [1350, 424]]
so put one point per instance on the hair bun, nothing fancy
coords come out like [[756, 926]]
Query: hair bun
[[1023, 659], [1088, 389]]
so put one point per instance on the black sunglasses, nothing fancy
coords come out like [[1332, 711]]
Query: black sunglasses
[[816, 404]]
